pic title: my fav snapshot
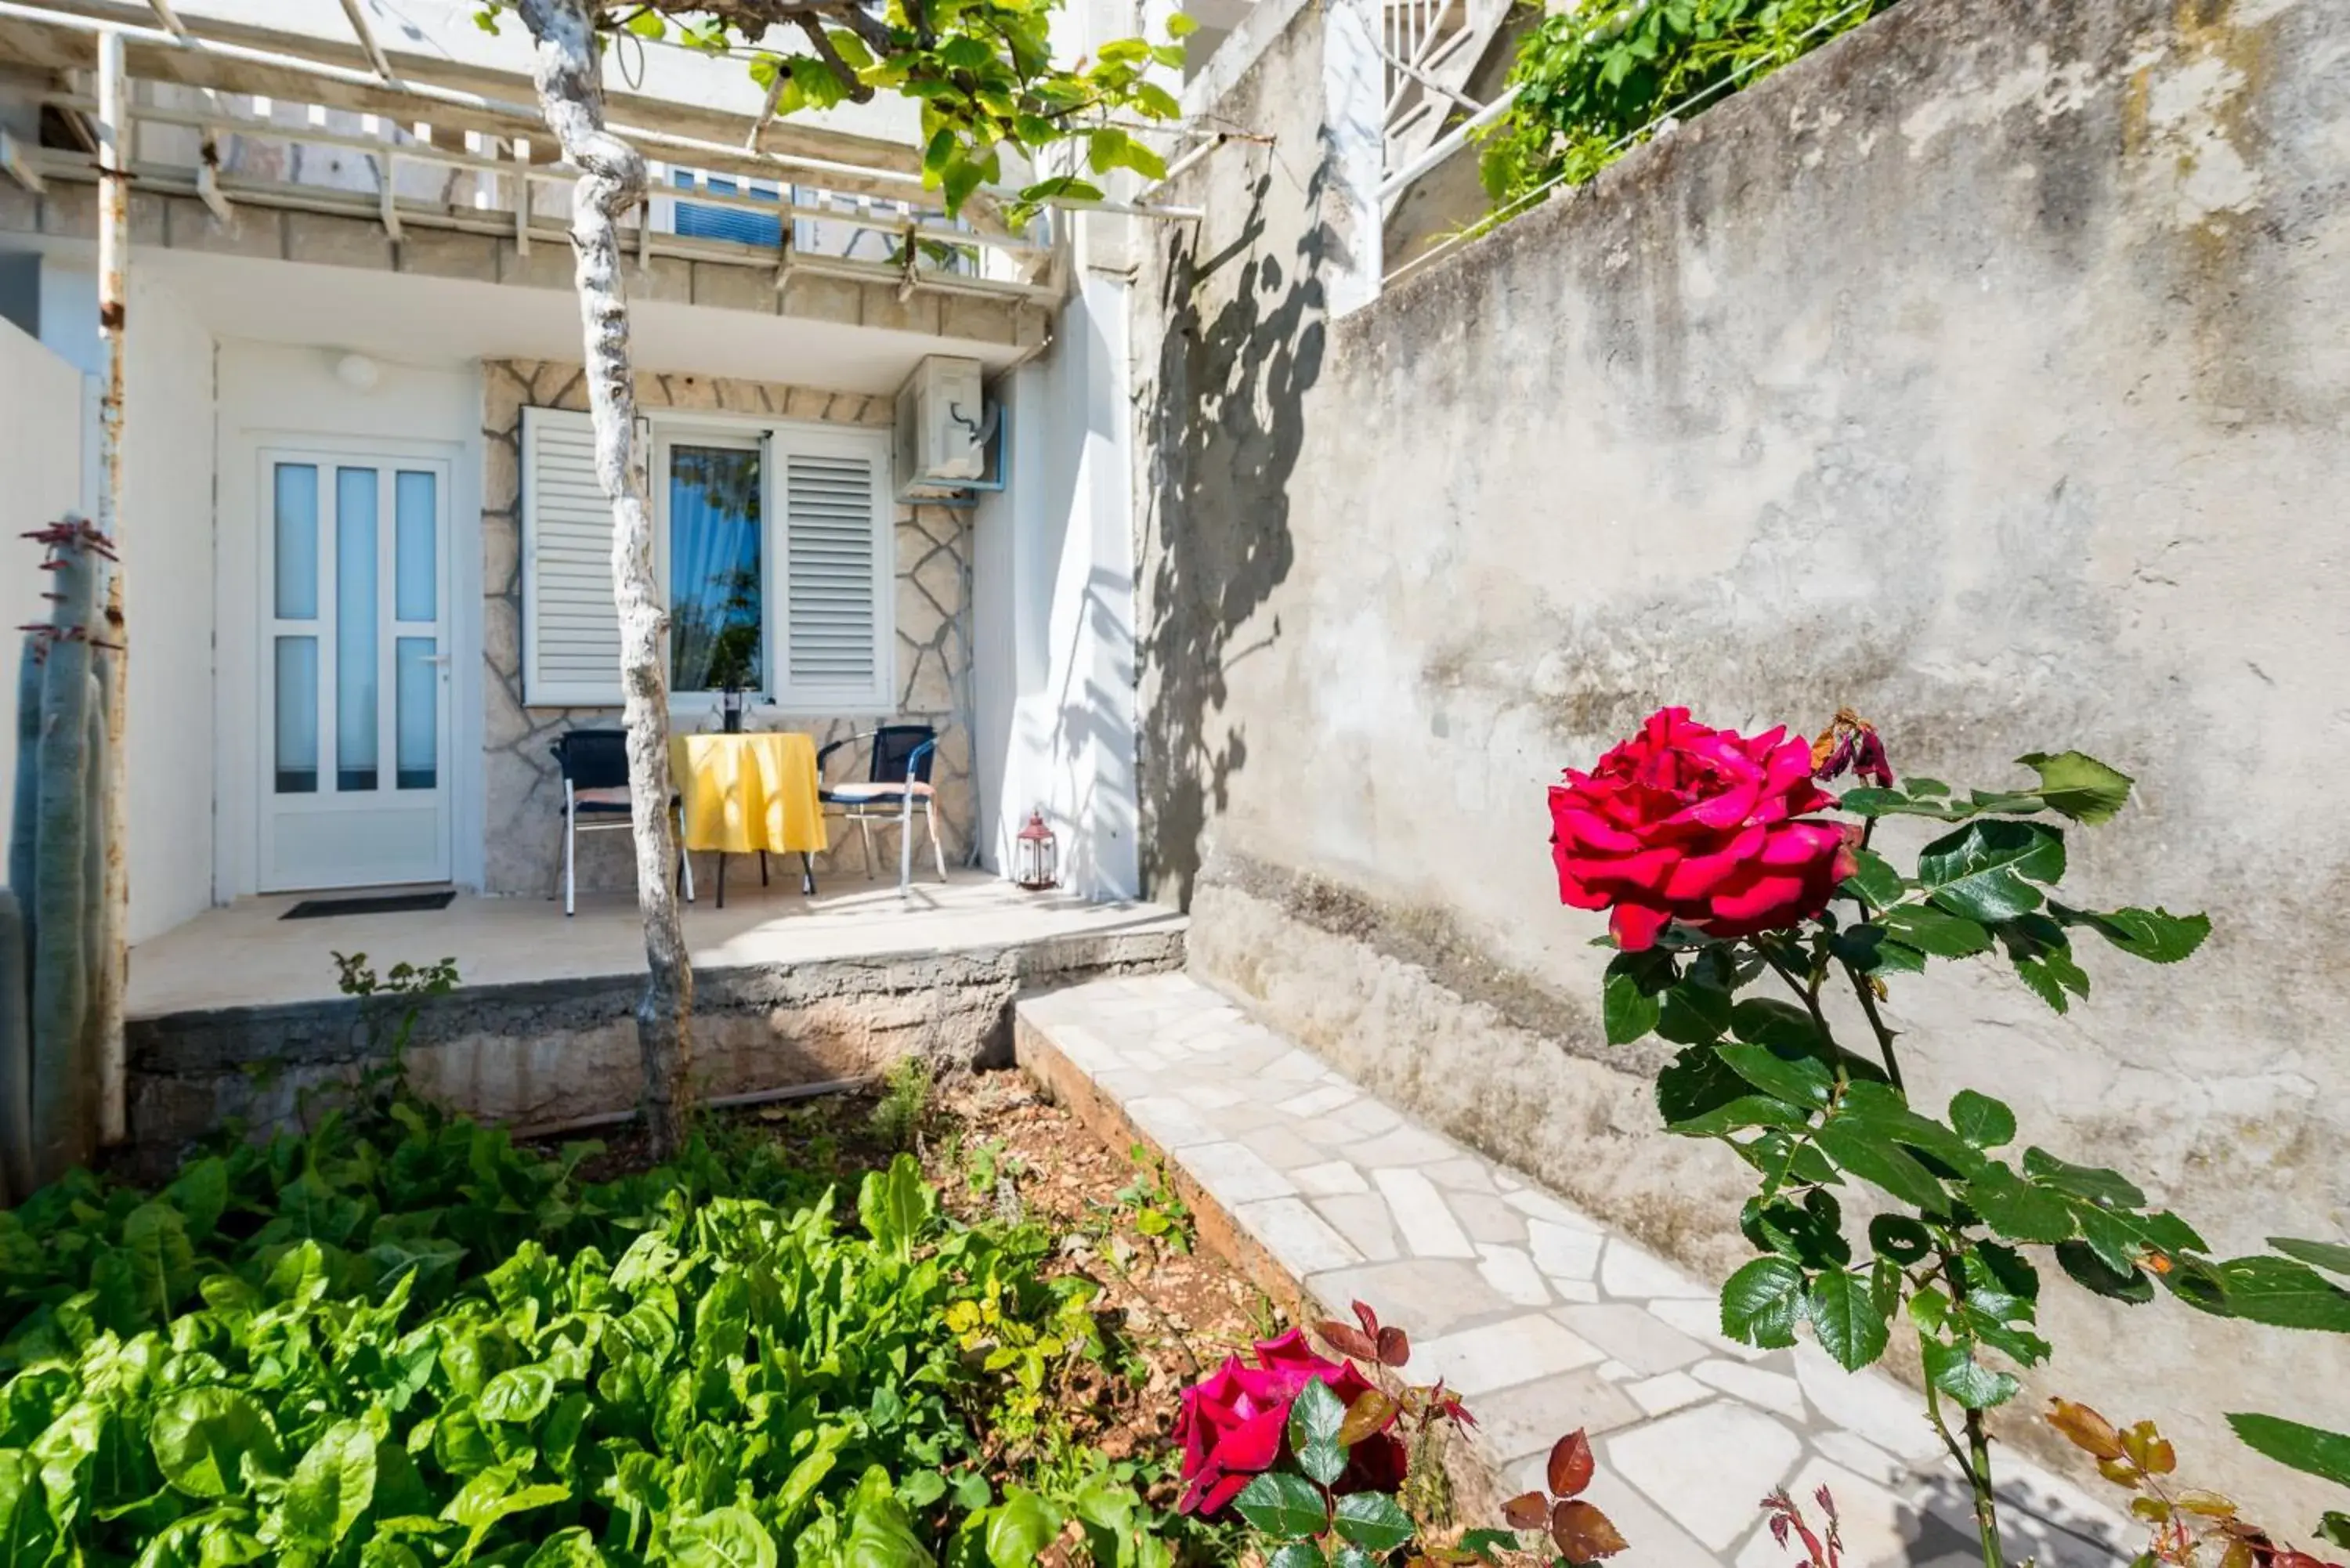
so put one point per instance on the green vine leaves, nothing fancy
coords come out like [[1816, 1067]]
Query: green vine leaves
[[1961, 1225], [1591, 82], [983, 71]]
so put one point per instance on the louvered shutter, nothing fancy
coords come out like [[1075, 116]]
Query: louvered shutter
[[834, 645], [571, 630]]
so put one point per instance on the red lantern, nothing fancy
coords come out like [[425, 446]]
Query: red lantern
[[1036, 858]]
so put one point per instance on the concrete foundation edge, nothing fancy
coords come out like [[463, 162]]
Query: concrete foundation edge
[[545, 1053]]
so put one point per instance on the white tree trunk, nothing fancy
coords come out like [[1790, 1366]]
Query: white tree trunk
[[571, 95], [111, 955]]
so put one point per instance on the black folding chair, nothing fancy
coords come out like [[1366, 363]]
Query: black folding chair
[[595, 767]]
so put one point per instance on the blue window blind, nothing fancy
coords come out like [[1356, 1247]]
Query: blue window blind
[[703, 220]]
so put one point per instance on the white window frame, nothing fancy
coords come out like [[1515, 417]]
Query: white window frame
[[775, 439]]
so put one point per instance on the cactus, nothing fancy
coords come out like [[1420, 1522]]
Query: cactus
[[16, 940], [21, 834], [53, 929], [15, 1060]]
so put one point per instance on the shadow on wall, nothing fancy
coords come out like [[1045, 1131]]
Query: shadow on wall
[[1225, 425], [1095, 720]]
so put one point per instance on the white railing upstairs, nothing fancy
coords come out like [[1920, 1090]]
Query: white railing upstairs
[[229, 149], [1431, 47]]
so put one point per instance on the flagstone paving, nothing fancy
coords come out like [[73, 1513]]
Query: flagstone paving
[[1542, 1316]]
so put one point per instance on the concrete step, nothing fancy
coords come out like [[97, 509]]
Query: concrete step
[[1542, 1318]]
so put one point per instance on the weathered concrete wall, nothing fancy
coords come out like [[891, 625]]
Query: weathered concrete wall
[[525, 791], [546, 1054], [1985, 371]]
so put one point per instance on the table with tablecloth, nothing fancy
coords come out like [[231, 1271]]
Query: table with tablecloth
[[750, 793]]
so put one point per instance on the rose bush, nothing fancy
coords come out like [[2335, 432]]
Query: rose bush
[[1317, 1456], [1685, 822], [1233, 1424], [1314, 1455]]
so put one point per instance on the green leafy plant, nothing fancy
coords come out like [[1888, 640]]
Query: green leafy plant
[[384, 1049], [1156, 1209], [1026, 1330], [1742, 917], [986, 1164], [401, 1341], [1593, 83], [2312, 1450]]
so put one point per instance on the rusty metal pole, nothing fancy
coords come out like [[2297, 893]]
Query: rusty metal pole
[[113, 298]]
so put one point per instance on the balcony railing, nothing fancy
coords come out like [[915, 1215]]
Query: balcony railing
[[1431, 47], [230, 149]]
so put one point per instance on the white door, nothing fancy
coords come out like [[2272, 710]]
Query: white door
[[355, 700]]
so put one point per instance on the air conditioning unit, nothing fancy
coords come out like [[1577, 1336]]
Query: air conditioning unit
[[944, 428]]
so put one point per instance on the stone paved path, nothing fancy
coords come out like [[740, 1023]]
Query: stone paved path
[[1544, 1318]]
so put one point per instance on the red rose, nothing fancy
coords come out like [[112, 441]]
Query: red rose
[[1233, 1425], [1229, 1436], [1687, 823]]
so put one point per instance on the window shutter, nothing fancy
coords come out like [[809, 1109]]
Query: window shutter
[[571, 630], [835, 645]]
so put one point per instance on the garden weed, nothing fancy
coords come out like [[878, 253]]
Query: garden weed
[[1158, 1212], [906, 1103], [988, 1165]]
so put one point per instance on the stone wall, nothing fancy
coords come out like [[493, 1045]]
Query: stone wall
[[1983, 371], [525, 793], [548, 1054]]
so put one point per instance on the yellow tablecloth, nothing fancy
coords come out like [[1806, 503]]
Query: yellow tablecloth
[[749, 793]]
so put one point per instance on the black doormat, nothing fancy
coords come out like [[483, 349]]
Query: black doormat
[[368, 904]]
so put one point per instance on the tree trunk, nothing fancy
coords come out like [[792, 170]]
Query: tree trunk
[[612, 179], [110, 953]]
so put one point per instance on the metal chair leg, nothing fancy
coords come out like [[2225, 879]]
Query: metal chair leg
[[684, 856], [722, 878], [807, 875], [864, 826], [763, 868], [937, 851], [570, 853]]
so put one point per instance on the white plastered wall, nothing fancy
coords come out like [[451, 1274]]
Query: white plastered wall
[[274, 394], [1054, 589]]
